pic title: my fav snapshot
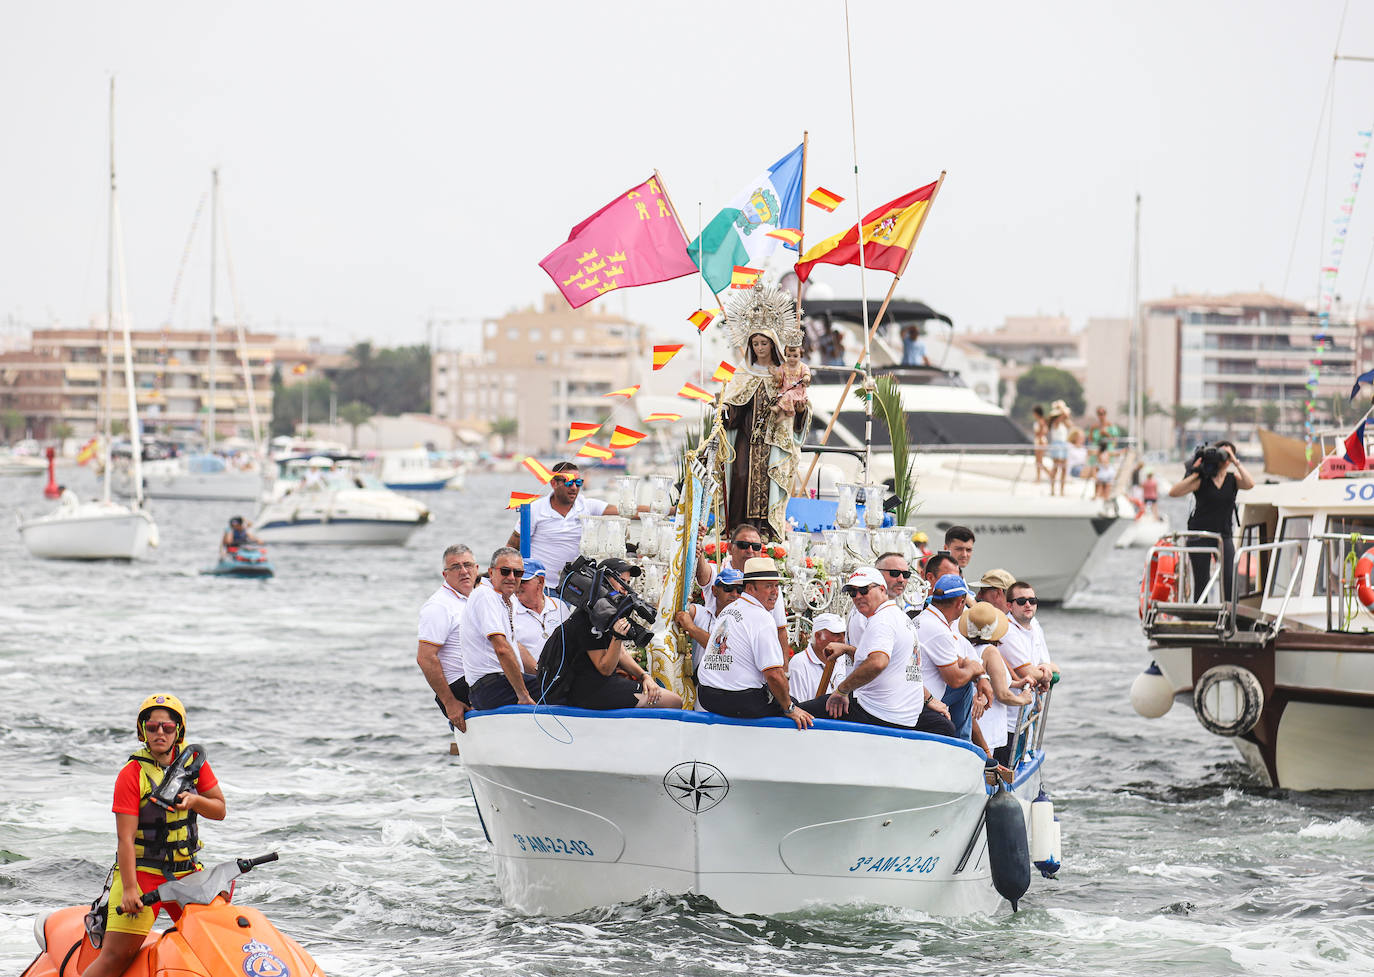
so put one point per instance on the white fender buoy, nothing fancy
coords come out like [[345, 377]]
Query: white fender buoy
[[1228, 700], [1152, 695], [1044, 847]]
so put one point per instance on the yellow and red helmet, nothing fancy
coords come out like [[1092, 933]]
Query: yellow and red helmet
[[161, 700]]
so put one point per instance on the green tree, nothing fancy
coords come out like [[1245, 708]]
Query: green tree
[[286, 403], [1229, 410], [504, 428], [355, 414], [1182, 416], [12, 422], [390, 381], [1270, 416], [62, 431], [1043, 385]]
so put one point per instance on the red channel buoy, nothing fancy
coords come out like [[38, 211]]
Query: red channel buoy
[[51, 491]]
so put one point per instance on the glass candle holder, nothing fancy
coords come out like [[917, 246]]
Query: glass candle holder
[[592, 534], [873, 506], [648, 534], [660, 503], [667, 540], [616, 529], [627, 494], [846, 508]]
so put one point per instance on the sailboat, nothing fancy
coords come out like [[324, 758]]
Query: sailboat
[[102, 530], [207, 477]]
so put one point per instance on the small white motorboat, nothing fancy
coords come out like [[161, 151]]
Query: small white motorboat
[[196, 477], [89, 531], [412, 470], [330, 499], [16, 464]]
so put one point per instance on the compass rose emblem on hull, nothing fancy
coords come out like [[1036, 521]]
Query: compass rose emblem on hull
[[696, 786]]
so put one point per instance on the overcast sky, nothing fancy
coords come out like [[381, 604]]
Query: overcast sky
[[385, 164]]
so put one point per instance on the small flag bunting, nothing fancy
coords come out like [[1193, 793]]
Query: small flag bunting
[[824, 199], [693, 392], [744, 277], [86, 453], [298, 369], [662, 354], [626, 392], [537, 470], [590, 450], [624, 437], [663, 415], [702, 318], [578, 430], [517, 499], [789, 234], [723, 372]]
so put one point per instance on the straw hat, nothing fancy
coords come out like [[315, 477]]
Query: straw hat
[[761, 569], [1059, 407], [982, 622]]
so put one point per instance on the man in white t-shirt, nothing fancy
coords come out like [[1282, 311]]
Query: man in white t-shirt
[[949, 666], [556, 522], [745, 544], [895, 572], [742, 673], [886, 677], [439, 656], [537, 615], [697, 620], [1024, 647], [807, 666], [498, 673]]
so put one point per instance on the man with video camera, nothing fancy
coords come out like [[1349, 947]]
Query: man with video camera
[[1214, 490], [579, 661]]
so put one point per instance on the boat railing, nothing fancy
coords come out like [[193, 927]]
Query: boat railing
[[1173, 606], [1029, 733], [1340, 590]]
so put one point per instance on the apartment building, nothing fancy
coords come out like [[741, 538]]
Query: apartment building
[[57, 380]]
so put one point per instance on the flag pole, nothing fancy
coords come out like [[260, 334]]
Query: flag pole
[[801, 223], [901, 270], [668, 197], [701, 333], [863, 285]]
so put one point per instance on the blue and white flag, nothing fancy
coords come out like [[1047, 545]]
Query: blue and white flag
[[1363, 378]]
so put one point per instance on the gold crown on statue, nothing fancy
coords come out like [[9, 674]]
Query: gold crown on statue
[[763, 309]]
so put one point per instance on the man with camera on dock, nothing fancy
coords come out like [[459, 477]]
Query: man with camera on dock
[[582, 661]]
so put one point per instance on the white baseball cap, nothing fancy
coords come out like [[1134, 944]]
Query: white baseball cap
[[828, 622]]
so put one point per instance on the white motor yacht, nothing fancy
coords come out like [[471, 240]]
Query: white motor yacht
[[332, 499], [412, 470], [193, 477]]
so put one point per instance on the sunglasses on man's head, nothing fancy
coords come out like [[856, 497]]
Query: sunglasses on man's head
[[574, 482], [1032, 601], [748, 546], [904, 574], [153, 727], [509, 571]]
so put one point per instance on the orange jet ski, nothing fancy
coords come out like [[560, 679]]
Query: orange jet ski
[[212, 939]]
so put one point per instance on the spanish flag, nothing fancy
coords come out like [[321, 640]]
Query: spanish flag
[[744, 277], [624, 437], [298, 369], [789, 234], [889, 233], [590, 450], [537, 470], [626, 392], [824, 199], [663, 415], [517, 499], [723, 372], [662, 354], [86, 453], [702, 318], [577, 431], [693, 392]]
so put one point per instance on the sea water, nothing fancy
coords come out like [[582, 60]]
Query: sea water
[[304, 692]]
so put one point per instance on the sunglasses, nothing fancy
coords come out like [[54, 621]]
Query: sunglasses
[[509, 571], [860, 591], [574, 482], [731, 588], [904, 574], [748, 546], [160, 727], [1032, 601], [460, 566]]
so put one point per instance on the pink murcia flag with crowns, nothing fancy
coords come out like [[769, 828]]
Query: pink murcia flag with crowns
[[633, 240]]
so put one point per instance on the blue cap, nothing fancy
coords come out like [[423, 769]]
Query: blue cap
[[949, 586], [729, 576], [533, 568]]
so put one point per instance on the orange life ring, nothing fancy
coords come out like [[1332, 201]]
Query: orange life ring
[[1161, 575], [1364, 586]]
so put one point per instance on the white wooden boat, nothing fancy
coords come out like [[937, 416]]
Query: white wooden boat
[[90, 531]]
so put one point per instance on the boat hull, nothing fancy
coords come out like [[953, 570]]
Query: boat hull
[[1315, 729], [226, 486], [91, 532], [339, 532], [755, 815]]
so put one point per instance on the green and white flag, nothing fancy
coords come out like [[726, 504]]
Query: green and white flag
[[738, 235]]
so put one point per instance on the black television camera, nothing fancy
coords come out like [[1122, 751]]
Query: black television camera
[[586, 585], [1208, 459]]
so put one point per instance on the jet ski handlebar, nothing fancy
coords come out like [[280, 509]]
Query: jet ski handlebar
[[202, 886]]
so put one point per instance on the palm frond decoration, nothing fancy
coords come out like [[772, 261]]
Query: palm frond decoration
[[888, 397]]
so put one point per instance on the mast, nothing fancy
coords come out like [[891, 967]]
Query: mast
[[135, 437], [1135, 383], [241, 333], [863, 285], [214, 321], [107, 391]]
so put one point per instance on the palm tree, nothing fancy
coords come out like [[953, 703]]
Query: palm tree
[[355, 414], [12, 422], [1270, 416], [503, 428], [1182, 415], [1229, 410]]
